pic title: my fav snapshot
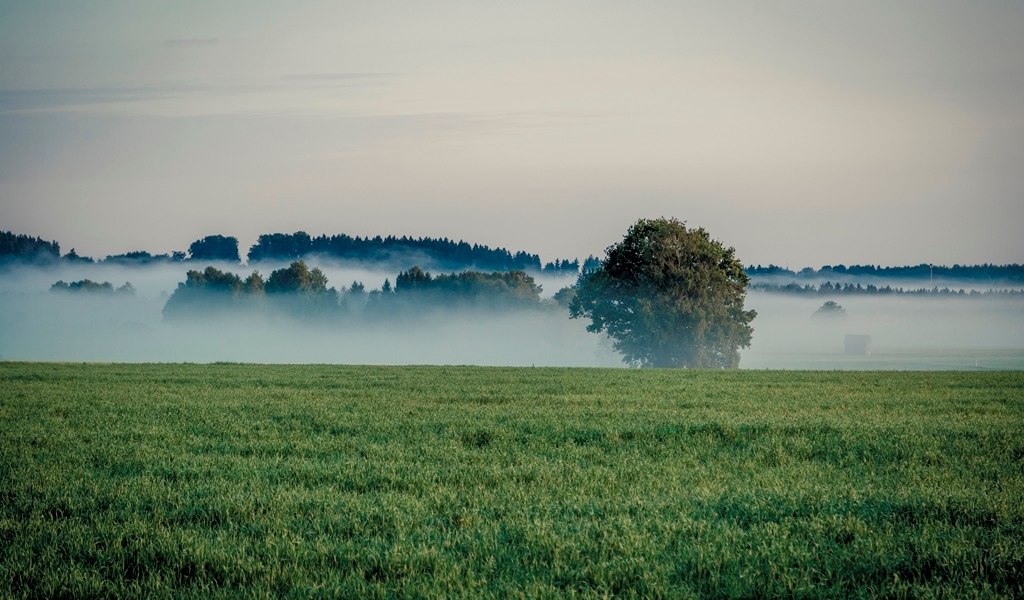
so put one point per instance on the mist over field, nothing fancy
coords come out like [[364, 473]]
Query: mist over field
[[906, 332], [42, 325]]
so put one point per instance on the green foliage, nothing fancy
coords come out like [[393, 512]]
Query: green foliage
[[86, 285], [298, 481], [207, 292], [990, 274], [509, 287], [442, 253], [562, 266], [214, 280], [297, 278], [669, 297], [254, 285], [215, 247], [303, 292], [213, 293], [276, 246], [73, 257], [93, 287], [137, 257], [564, 296], [412, 280]]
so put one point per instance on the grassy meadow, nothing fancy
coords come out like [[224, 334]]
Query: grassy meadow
[[333, 481]]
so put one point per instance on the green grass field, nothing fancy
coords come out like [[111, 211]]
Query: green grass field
[[298, 481]]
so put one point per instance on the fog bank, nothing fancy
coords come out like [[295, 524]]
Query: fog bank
[[906, 332], [38, 324]]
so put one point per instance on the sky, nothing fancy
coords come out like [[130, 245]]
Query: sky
[[801, 133]]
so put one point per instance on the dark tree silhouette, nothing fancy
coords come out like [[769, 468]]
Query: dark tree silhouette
[[440, 252], [215, 247], [830, 310], [90, 286], [24, 248], [508, 288], [209, 292]]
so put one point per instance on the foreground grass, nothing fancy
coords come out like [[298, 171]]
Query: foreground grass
[[177, 480]]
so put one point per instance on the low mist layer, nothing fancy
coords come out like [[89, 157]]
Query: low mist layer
[[905, 332], [40, 324]]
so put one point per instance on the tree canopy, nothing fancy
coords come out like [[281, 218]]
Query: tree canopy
[[441, 252], [215, 247], [92, 287], [668, 296], [302, 291], [27, 248], [497, 288], [297, 277]]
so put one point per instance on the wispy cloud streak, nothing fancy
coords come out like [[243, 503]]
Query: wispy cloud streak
[[190, 42], [71, 99]]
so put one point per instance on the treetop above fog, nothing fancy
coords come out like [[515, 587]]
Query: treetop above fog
[[441, 252], [215, 247], [299, 288], [90, 286], [27, 248], [830, 310]]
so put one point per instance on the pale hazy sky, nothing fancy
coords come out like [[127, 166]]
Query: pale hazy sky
[[802, 133]]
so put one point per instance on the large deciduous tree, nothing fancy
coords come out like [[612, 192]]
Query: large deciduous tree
[[668, 296]]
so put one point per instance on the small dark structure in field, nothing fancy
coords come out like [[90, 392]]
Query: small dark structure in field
[[856, 344]]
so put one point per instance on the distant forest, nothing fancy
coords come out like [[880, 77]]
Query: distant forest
[[434, 251], [986, 273], [852, 289], [449, 255], [89, 286], [27, 248], [299, 290], [441, 253]]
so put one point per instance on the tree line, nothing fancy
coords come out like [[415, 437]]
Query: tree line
[[92, 287], [26, 248], [446, 254], [442, 253], [828, 289], [300, 290], [990, 273]]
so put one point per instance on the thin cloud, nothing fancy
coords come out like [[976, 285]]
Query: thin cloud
[[334, 77], [189, 42], [63, 99], [60, 99]]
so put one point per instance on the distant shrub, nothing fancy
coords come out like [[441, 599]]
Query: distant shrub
[[85, 285], [830, 310]]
